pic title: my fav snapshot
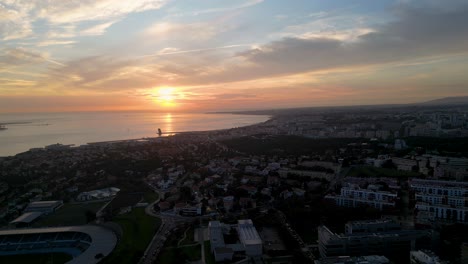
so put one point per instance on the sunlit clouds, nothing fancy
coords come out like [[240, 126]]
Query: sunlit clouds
[[207, 55]]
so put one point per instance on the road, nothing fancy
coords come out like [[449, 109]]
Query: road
[[304, 249], [168, 223]]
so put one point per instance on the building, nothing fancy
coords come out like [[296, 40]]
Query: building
[[45, 207], [354, 260], [248, 241], [228, 202], [218, 247], [354, 196], [425, 257], [405, 164], [364, 238], [371, 226], [105, 193], [440, 200], [188, 210], [83, 243], [249, 238], [26, 219], [464, 253]]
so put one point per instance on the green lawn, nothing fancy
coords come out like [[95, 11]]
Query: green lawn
[[69, 214], [50, 258], [367, 171], [189, 239], [138, 230], [150, 196], [209, 258], [179, 255]]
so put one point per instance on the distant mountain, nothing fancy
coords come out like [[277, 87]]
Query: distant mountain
[[447, 101]]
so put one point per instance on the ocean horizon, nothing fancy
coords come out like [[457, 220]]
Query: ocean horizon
[[35, 130]]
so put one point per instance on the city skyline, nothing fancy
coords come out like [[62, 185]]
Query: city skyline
[[229, 55]]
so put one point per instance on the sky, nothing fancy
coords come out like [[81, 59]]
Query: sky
[[223, 55]]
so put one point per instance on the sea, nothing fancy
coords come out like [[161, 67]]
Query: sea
[[35, 130]]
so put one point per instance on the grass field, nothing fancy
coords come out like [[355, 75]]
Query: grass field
[[209, 258], [69, 214], [51, 258], [138, 230], [180, 255], [189, 239], [150, 196]]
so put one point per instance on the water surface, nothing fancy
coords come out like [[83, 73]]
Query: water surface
[[25, 131]]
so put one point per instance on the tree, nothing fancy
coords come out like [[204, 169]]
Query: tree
[[90, 216]]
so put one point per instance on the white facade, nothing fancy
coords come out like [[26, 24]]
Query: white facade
[[356, 197], [446, 200]]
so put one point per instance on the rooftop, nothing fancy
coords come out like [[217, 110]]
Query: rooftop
[[44, 204], [27, 217], [247, 232]]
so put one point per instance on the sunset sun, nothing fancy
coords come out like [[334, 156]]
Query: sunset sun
[[165, 96]]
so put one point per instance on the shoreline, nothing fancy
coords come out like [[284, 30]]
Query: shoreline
[[165, 135], [172, 134]]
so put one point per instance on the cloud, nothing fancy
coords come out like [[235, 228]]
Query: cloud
[[246, 4], [60, 12], [14, 21], [20, 56], [200, 31], [231, 96], [97, 29], [174, 51], [17, 17], [416, 33], [55, 42]]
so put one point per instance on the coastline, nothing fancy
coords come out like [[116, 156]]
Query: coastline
[[172, 134], [165, 135]]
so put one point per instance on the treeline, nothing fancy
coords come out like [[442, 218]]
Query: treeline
[[445, 146], [287, 145]]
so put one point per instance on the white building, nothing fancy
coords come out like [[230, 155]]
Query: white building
[[218, 247], [447, 200], [249, 238], [354, 196]]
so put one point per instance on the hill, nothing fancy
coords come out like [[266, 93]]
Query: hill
[[448, 101]]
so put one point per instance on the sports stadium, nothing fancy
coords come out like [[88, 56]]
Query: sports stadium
[[86, 244]]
